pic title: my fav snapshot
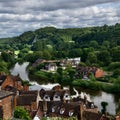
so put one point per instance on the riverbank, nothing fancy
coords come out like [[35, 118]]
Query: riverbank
[[96, 85]]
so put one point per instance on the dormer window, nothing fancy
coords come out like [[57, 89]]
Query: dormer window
[[46, 98], [62, 110], [71, 112], [92, 105], [66, 96], [56, 98], [53, 109]]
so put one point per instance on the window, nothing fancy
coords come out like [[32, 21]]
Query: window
[[53, 109], [56, 98], [92, 105], [71, 112], [46, 98], [62, 110]]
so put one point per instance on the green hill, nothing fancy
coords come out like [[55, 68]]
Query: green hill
[[52, 43]]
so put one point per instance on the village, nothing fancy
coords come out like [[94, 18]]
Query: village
[[54, 103]]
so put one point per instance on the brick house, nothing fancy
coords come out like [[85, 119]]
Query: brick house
[[6, 104], [29, 100], [85, 72], [10, 80]]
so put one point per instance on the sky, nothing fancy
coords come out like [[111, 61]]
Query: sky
[[18, 16]]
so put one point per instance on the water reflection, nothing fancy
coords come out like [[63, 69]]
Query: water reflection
[[99, 96], [21, 70]]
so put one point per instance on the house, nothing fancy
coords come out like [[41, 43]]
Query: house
[[29, 100], [63, 110], [86, 71], [66, 110], [51, 67], [72, 61], [6, 104], [99, 73], [10, 80], [55, 95], [37, 62], [58, 103]]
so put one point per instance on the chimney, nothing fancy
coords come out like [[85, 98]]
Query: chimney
[[45, 107], [25, 87], [81, 111], [38, 99]]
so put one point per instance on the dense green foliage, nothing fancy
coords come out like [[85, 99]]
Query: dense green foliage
[[95, 45], [21, 113], [6, 61]]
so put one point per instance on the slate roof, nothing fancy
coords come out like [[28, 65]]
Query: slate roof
[[91, 115], [58, 106], [88, 104], [4, 94], [51, 93], [33, 92], [26, 98]]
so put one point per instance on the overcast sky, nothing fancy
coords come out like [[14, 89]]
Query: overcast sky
[[18, 16]]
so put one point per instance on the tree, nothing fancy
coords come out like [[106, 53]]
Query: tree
[[21, 113], [106, 44], [118, 108], [94, 44], [46, 55], [104, 57], [116, 85], [115, 53], [59, 74], [4, 67], [91, 58]]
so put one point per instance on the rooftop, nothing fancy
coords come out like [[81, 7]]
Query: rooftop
[[4, 94]]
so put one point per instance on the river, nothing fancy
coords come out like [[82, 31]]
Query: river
[[95, 96]]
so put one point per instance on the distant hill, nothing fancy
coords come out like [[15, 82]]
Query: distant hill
[[99, 46], [80, 37]]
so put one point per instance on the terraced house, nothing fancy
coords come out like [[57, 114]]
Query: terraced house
[[6, 104]]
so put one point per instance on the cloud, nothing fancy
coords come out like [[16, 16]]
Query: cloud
[[17, 16]]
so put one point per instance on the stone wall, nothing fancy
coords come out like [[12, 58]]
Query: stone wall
[[7, 107]]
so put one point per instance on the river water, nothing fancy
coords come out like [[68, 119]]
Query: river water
[[95, 96]]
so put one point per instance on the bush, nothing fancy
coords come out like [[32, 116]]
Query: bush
[[114, 65], [116, 73], [21, 113]]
